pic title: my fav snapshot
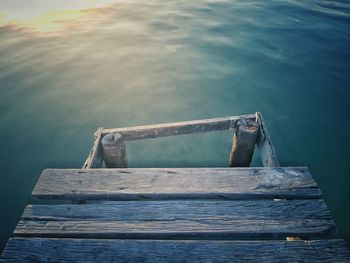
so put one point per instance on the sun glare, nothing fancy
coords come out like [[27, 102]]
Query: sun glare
[[49, 17]]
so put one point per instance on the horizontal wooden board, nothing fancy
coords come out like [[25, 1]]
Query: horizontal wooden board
[[90, 250], [182, 209], [186, 228], [178, 128], [177, 219], [177, 183]]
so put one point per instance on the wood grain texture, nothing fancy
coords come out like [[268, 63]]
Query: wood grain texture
[[114, 151], [178, 128], [177, 183], [266, 149], [243, 144], [179, 219], [182, 209], [90, 250], [186, 228], [95, 158]]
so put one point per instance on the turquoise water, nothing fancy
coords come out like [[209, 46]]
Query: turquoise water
[[66, 69]]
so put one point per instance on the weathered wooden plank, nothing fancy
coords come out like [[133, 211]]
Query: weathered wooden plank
[[95, 159], [178, 128], [180, 209], [179, 219], [266, 149], [183, 183], [186, 228], [92, 250]]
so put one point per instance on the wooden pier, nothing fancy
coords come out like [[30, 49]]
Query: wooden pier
[[120, 214]]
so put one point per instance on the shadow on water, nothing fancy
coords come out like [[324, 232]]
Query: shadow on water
[[125, 63]]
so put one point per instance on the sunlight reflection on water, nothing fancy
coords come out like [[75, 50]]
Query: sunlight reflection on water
[[53, 17]]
